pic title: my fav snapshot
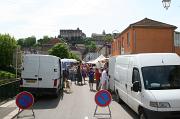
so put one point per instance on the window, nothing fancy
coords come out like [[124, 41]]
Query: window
[[122, 43], [177, 39], [128, 39], [161, 77], [135, 76]]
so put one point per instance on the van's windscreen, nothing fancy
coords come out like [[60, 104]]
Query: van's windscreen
[[161, 77]]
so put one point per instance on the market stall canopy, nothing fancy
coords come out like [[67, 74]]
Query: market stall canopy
[[98, 61]]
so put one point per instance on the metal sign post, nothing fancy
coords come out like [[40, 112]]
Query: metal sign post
[[103, 99], [25, 100]]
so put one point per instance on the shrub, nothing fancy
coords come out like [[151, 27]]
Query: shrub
[[6, 75]]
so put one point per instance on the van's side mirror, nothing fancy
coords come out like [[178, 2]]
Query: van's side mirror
[[136, 86]]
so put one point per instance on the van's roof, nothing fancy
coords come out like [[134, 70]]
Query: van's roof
[[156, 59], [39, 55], [69, 60]]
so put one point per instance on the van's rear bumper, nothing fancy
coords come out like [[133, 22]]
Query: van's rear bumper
[[162, 115], [40, 90]]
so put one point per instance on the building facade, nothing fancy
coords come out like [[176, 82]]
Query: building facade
[[99, 39], [72, 36], [145, 36]]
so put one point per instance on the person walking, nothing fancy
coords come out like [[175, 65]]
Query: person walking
[[84, 74], [104, 79], [97, 76], [79, 75], [91, 78]]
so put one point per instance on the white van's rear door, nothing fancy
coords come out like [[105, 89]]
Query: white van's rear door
[[46, 72], [30, 71]]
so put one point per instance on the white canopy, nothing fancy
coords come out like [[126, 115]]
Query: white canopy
[[97, 61]]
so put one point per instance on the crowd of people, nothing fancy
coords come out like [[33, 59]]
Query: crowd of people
[[80, 72]]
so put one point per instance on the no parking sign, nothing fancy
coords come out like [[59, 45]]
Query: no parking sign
[[25, 100], [103, 98]]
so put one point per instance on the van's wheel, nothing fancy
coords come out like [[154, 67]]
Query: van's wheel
[[142, 115]]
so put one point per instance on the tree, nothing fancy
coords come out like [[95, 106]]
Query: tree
[[44, 40], [108, 38], [30, 41], [7, 47], [59, 50], [73, 56], [21, 42]]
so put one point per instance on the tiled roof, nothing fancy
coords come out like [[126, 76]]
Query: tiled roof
[[151, 23], [54, 41]]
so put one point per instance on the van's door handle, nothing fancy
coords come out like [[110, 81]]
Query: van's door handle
[[39, 79], [126, 85], [35, 75]]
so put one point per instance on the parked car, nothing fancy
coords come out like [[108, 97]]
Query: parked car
[[41, 74], [149, 84]]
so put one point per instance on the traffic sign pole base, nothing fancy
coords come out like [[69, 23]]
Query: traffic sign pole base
[[95, 112], [33, 114]]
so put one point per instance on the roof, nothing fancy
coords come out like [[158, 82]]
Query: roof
[[153, 59], [54, 41], [149, 23]]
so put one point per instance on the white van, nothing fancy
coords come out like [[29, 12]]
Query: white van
[[149, 84], [111, 68], [41, 74]]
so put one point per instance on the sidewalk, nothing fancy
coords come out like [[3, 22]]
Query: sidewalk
[[8, 110]]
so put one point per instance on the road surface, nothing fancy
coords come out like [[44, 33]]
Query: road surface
[[79, 104]]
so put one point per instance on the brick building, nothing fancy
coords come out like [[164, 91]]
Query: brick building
[[145, 36], [45, 47]]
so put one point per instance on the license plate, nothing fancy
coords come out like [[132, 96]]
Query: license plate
[[30, 81]]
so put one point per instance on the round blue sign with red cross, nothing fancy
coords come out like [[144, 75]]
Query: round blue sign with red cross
[[24, 100], [103, 98]]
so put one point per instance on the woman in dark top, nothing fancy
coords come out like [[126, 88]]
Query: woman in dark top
[[79, 76], [91, 78]]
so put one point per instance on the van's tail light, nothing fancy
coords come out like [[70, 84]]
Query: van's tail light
[[55, 82], [21, 81]]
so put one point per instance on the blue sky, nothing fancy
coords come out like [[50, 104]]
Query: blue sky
[[23, 18]]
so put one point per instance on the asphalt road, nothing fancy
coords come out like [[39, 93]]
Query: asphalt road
[[79, 104]]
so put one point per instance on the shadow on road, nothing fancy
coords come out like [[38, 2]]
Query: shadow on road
[[47, 101], [126, 108]]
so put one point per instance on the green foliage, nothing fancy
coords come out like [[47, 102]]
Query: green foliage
[[59, 50], [73, 56], [21, 42], [90, 45], [6, 75], [44, 40], [108, 38], [27, 42], [7, 47], [30, 41]]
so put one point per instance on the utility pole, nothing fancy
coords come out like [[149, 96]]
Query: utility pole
[[18, 58]]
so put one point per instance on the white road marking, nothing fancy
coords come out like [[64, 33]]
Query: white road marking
[[86, 117], [12, 114], [8, 103]]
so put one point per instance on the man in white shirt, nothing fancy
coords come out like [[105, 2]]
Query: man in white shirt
[[104, 79]]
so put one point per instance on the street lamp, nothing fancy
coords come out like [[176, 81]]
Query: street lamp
[[115, 33], [166, 4]]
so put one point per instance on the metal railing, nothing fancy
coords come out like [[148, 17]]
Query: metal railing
[[9, 90]]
